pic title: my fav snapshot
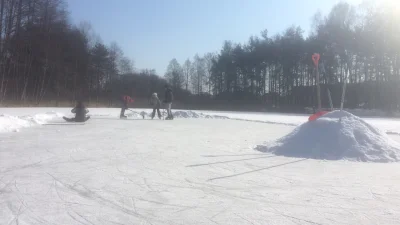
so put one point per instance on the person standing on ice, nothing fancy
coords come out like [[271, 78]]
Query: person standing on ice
[[80, 113], [125, 99], [156, 104], [169, 97]]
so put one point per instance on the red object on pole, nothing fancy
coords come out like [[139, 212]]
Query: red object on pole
[[315, 58]]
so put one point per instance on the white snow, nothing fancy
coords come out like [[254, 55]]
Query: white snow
[[187, 114], [389, 125], [13, 123], [186, 171], [10, 123], [336, 135]]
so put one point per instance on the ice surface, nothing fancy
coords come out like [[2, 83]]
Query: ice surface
[[186, 171], [337, 135]]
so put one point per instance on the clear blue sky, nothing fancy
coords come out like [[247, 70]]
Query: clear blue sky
[[152, 32]]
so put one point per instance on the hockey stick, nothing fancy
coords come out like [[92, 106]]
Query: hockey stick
[[137, 112]]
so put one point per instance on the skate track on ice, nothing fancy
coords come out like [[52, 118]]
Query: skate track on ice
[[186, 171]]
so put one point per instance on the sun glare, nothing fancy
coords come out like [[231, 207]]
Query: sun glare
[[391, 3]]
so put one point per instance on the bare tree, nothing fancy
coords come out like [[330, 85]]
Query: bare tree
[[187, 72], [174, 74]]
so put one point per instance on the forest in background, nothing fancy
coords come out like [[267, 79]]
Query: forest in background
[[359, 45], [46, 60]]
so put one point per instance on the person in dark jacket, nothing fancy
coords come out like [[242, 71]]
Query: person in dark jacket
[[125, 99], [169, 97], [156, 104], [80, 113]]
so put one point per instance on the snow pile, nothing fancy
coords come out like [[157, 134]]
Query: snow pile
[[336, 135], [10, 123], [191, 114], [137, 115], [177, 114], [187, 114], [42, 118]]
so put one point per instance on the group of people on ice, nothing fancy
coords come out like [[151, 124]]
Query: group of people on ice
[[154, 102], [80, 110]]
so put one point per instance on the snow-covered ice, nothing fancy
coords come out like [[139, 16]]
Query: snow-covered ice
[[186, 171], [336, 135]]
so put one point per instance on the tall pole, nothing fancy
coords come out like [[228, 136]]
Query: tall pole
[[315, 58], [318, 90], [330, 99], [344, 90]]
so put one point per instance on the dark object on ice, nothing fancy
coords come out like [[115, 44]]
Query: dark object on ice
[[80, 113], [169, 96], [169, 118]]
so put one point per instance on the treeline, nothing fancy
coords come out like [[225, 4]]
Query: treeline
[[358, 45], [44, 57]]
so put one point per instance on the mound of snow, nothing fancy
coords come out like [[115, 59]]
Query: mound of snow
[[177, 114], [336, 135], [10, 123], [137, 115], [191, 114], [42, 118], [187, 114]]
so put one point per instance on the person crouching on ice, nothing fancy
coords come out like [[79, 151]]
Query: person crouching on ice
[[80, 113], [156, 104]]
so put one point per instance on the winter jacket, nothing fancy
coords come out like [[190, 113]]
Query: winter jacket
[[125, 99], [169, 97], [155, 101], [80, 113]]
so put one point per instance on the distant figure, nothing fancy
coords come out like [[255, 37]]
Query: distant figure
[[169, 97], [156, 104], [80, 113], [125, 99]]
